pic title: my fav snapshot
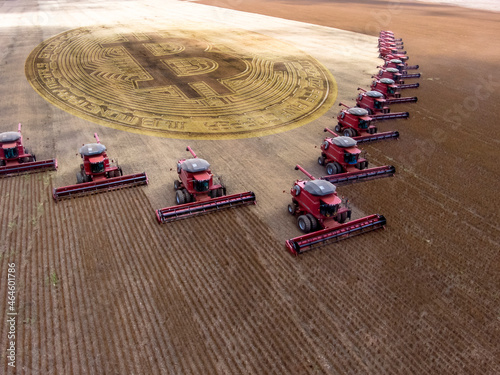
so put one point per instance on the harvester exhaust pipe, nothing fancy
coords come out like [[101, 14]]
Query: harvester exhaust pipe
[[345, 105], [298, 167], [362, 89], [191, 151]]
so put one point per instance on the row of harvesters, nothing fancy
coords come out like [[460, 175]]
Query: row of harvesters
[[198, 191], [320, 213]]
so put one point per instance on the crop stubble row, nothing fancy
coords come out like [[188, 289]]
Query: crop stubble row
[[102, 280]]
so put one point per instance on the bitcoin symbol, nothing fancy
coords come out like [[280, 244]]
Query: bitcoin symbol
[[180, 67]]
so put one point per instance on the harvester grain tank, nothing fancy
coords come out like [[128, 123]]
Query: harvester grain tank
[[97, 174], [17, 159], [343, 162], [322, 216], [197, 192]]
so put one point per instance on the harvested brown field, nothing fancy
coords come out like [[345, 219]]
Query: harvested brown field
[[102, 288]]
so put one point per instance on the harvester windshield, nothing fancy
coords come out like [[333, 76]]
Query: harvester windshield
[[10, 153], [363, 124], [202, 185], [350, 158], [97, 167], [328, 210]]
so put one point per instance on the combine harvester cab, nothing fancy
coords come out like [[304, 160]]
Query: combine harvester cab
[[343, 164], [196, 192], [389, 89], [16, 159], [98, 174], [321, 217]]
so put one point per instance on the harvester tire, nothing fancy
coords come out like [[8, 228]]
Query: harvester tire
[[321, 160], [79, 178], [177, 185], [179, 197], [332, 168], [314, 222], [349, 133], [304, 223], [338, 128], [187, 196], [342, 217], [292, 209]]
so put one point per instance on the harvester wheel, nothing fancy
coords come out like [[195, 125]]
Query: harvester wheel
[[79, 178], [292, 209], [179, 197], [304, 223], [321, 160], [314, 222], [33, 157], [332, 168], [338, 128], [349, 132], [120, 171], [187, 196], [177, 185], [341, 218]]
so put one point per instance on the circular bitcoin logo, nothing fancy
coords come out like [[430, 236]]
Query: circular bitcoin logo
[[194, 82]]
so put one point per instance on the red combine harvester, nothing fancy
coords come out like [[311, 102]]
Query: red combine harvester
[[319, 214], [375, 102], [97, 174], [389, 88], [196, 192], [16, 159], [356, 123], [394, 74], [343, 164], [399, 65]]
